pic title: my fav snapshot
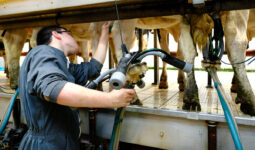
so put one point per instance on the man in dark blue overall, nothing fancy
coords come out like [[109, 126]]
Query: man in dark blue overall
[[49, 85]]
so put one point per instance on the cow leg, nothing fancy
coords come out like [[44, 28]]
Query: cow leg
[[14, 40], [163, 83], [175, 31], [187, 47], [145, 38], [236, 42], [181, 76], [85, 50], [163, 78], [34, 36], [113, 56]]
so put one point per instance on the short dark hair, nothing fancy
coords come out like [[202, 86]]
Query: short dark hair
[[44, 35]]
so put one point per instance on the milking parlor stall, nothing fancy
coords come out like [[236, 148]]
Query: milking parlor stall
[[189, 61]]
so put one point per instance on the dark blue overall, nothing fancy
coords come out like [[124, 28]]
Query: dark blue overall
[[44, 73]]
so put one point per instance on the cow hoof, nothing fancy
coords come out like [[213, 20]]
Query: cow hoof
[[233, 88], [247, 109], [192, 106], [163, 85], [181, 87]]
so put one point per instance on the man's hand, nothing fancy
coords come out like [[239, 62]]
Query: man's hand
[[106, 26], [122, 97]]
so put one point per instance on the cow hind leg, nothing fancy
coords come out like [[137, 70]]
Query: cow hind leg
[[181, 76], [186, 45], [191, 99], [236, 42], [181, 80], [14, 40], [245, 95], [163, 83]]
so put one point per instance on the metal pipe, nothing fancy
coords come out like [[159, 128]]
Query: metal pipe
[[16, 113], [156, 60], [212, 135], [140, 39], [92, 128], [209, 81]]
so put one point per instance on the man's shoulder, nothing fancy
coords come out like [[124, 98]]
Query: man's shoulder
[[41, 50]]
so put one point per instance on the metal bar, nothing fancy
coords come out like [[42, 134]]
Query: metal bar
[[209, 81], [249, 121], [156, 60], [16, 113], [140, 40], [110, 59], [92, 127], [212, 136], [248, 53]]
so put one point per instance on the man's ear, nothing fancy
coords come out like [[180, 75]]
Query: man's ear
[[56, 35]]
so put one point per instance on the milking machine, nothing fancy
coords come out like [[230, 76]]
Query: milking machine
[[129, 73]]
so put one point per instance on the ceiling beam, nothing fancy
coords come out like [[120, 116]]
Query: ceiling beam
[[149, 8]]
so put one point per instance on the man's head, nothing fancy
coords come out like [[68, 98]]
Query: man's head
[[44, 35], [57, 37]]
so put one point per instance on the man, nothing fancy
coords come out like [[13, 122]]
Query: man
[[49, 85]]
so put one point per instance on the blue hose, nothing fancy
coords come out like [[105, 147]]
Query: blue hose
[[229, 120], [6, 119]]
